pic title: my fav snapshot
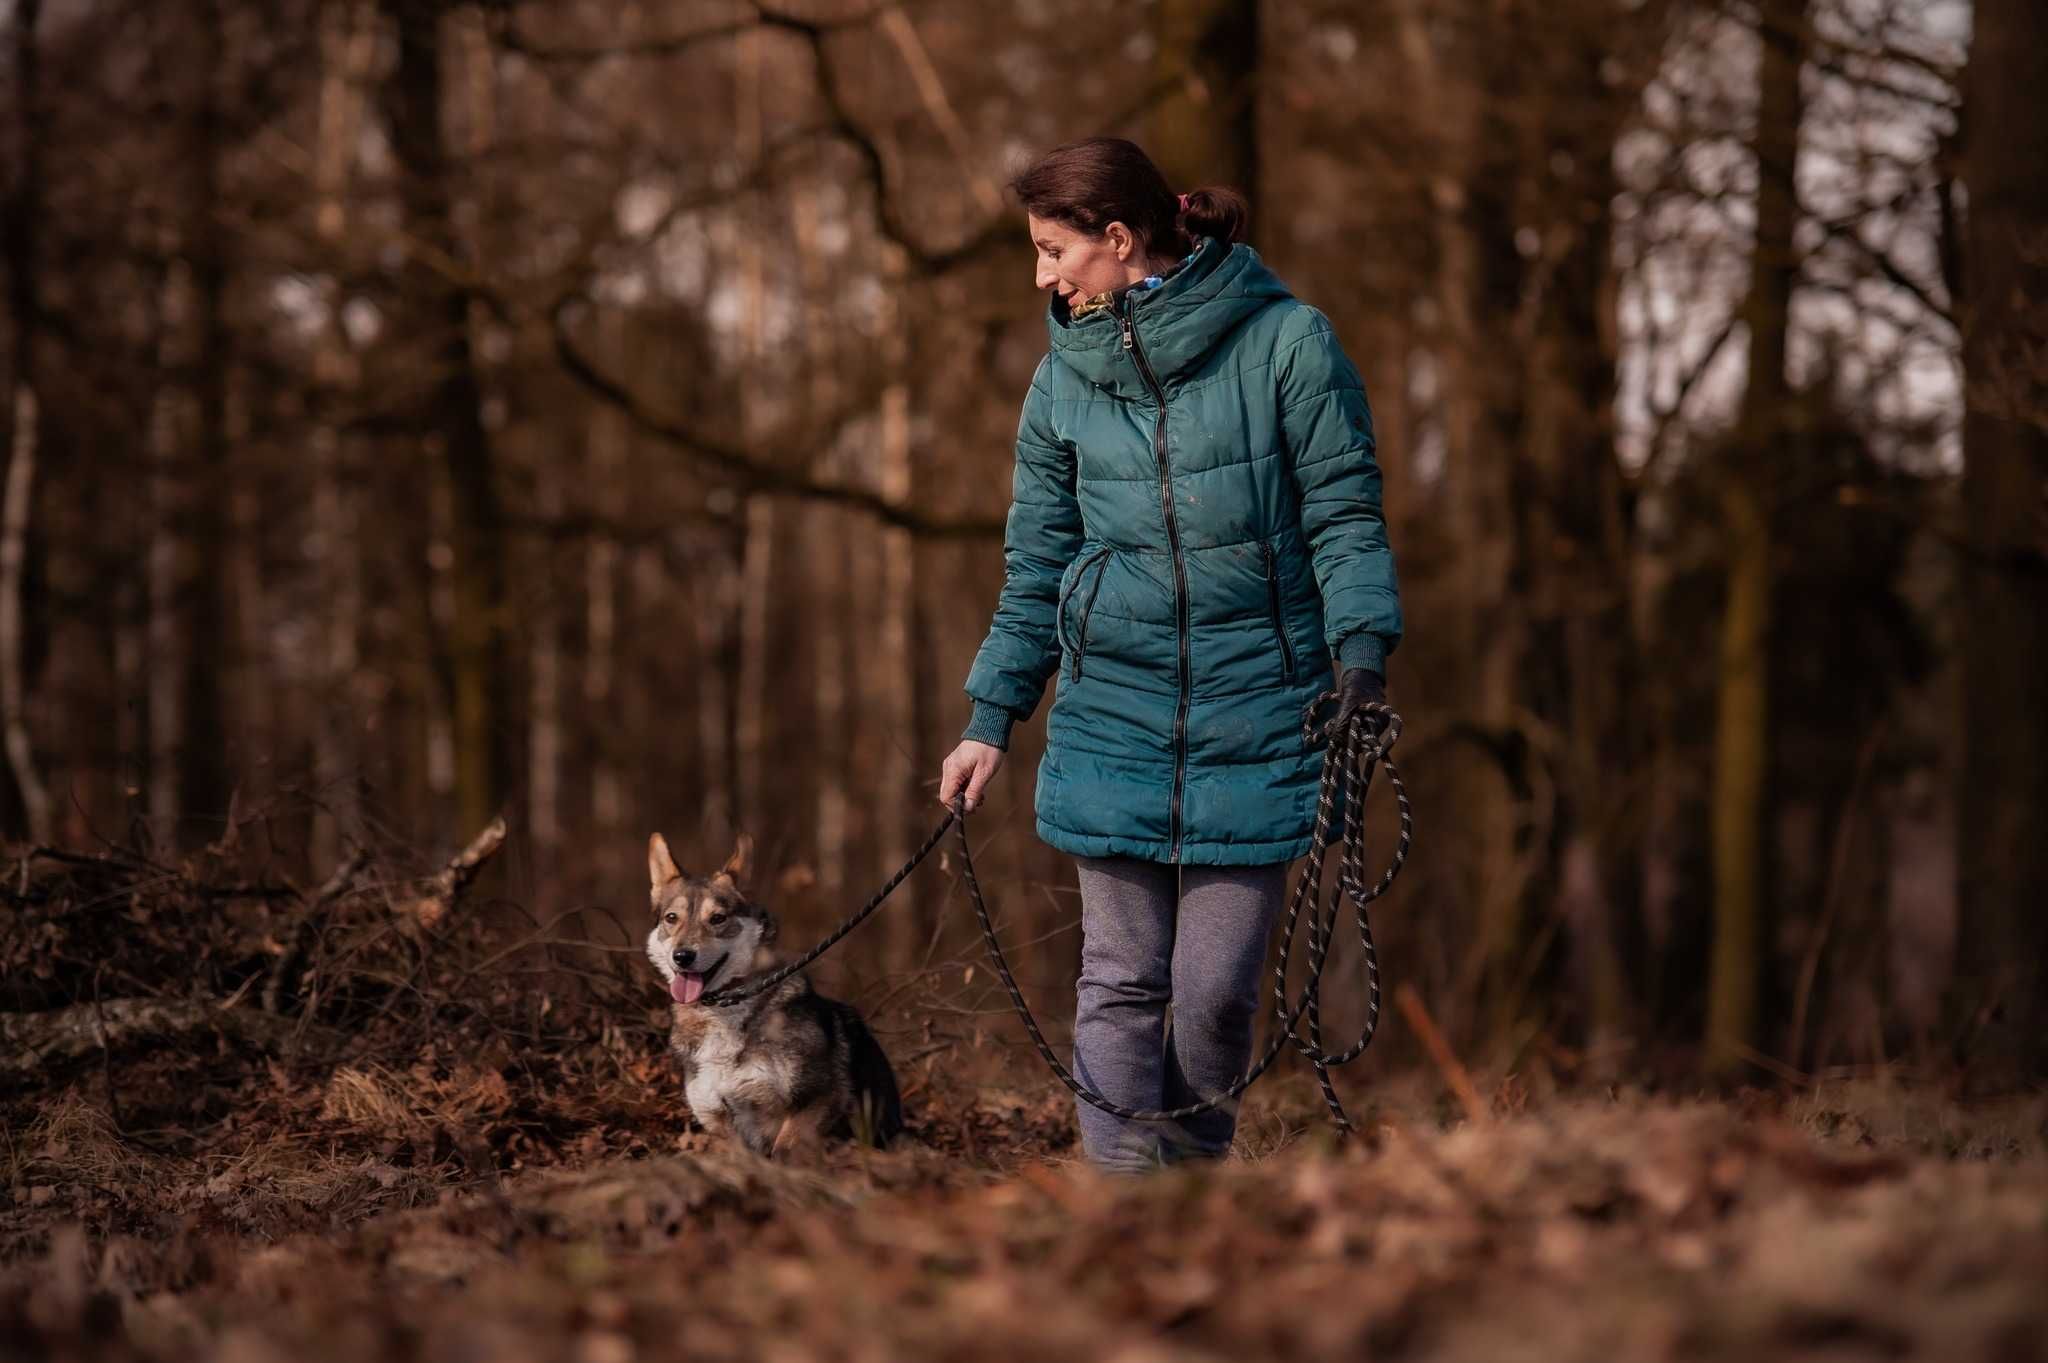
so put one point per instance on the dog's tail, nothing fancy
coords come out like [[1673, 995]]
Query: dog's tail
[[878, 1112]]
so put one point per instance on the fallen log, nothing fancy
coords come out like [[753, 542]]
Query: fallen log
[[30, 1042]]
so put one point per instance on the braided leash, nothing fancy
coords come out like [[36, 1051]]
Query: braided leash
[[746, 987], [1347, 774], [1367, 742]]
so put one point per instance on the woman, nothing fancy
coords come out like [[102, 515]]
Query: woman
[[1195, 520]]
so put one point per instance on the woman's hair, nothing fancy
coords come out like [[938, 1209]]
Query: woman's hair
[[1096, 181]]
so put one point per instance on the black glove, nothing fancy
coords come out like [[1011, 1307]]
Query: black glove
[[1356, 689]]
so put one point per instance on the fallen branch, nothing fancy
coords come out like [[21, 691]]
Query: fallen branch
[[129, 863], [444, 889], [300, 934], [1439, 1050]]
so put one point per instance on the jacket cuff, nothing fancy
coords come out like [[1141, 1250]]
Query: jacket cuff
[[990, 725], [1363, 649]]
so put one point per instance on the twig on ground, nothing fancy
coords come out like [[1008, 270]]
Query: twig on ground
[[1439, 1050]]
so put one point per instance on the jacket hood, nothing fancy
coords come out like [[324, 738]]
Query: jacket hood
[[1177, 323]]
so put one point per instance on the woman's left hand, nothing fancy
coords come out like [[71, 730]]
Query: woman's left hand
[[1356, 689], [966, 773]]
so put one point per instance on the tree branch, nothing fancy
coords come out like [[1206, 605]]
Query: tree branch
[[303, 925], [443, 890], [1886, 266], [1663, 420], [840, 122], [750, 473], [675, 45]]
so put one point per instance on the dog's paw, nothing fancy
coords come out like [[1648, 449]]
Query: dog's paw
[[800, 1135]]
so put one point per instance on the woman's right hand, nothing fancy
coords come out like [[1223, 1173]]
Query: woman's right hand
[[968, 766]]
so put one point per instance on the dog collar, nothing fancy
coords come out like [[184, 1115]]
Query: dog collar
[[732, 982]]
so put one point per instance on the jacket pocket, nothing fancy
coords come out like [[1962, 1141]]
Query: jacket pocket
[[1099, 560], [1059, 603], [1279, 621]]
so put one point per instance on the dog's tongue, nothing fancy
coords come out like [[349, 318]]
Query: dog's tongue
[[685, 987]]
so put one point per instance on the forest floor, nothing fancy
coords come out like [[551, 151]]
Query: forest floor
[[519, 1183]]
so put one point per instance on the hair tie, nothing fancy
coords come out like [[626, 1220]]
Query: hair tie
[[1183, 203]]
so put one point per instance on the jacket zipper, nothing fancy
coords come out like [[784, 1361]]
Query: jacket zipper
[[1100, 562], [1180, 572], [1279, 628]]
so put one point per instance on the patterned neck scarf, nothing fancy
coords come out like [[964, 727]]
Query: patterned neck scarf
[[1099, 301]]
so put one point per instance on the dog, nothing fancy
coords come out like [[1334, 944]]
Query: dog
[[785, 1069]]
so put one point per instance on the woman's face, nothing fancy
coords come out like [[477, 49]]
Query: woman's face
[[1076, 265]]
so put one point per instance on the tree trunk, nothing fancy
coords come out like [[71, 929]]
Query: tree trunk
[[714, 598], [1741, 802], [1207, 130], [826, 587], [608, 447], [1574, 539], [256, 727], [204, 769], [2002, 883], [1478, 287], [165, 641], [1741, 723], [478, 680], [29, 814], [33, 798], [756, 691], [757, 569], [868, 686], [895, 775], [439, 709], [544, 701], [347, 44]]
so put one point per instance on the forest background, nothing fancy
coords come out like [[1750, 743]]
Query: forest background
[[601, 414]]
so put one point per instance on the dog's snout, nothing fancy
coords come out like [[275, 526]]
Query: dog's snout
[[686, 958]]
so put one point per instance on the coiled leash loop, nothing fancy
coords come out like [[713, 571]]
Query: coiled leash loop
[[1347, 776], [1367, 741]]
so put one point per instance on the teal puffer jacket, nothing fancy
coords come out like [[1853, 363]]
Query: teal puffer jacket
[[1194, 529]]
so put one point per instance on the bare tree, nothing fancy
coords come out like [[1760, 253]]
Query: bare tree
[[204, 767], [347, 43], [440, 283], [2003, 937], [1744, 483]]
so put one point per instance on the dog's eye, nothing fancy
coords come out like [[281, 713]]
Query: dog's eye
[[669, 919], [717, 920]]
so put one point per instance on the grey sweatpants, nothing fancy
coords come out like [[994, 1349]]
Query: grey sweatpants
[[1154, 933]]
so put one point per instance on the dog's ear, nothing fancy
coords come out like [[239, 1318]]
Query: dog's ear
[[661, 867], [740, 862]]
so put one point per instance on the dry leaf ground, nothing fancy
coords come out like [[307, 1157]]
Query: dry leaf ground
[[1844, 1225], [419, 1158]]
